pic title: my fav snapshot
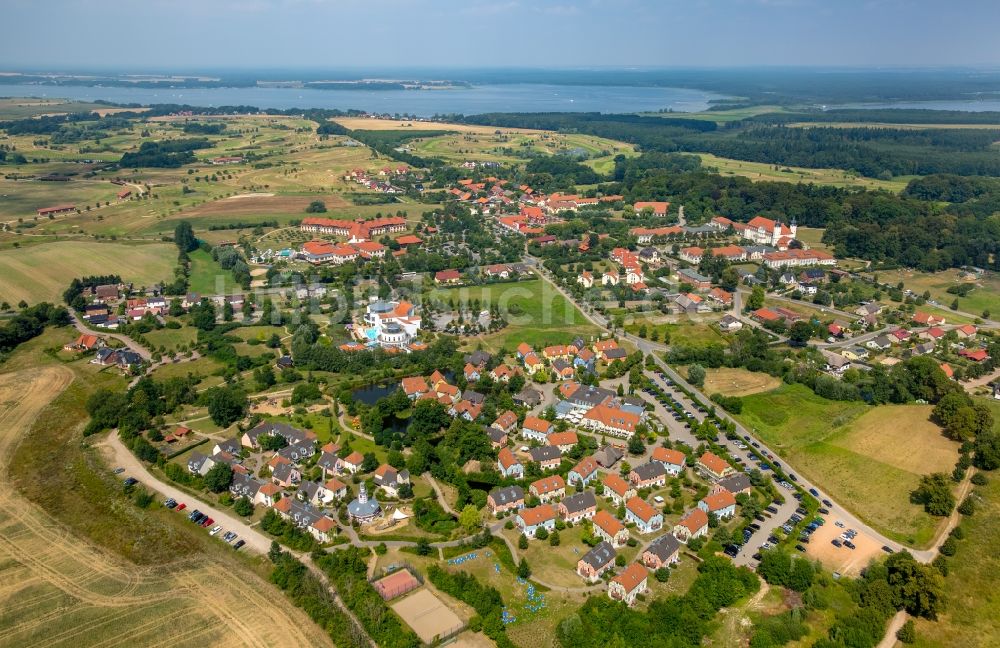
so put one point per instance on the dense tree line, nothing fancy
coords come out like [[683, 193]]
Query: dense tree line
[[202, 128], [30, 322], [170, 154], [347, 569], [308, 592]]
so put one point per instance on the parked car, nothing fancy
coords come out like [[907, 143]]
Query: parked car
[[119, 470], [181, 506], [239, 544], [215, 529], [170, 503], [836, 543], [131, 481], [800, 548], [824, 511], [827, 503], [771, 509], [887, 549], [849, 544]]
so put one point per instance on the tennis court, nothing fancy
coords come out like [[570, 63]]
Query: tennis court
[[428, 615]]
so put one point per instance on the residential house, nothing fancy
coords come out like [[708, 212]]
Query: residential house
[[585, 279], [610, 529], [617, 489], [662, 552], [563, 440], [498, 438], [693, 525], [608, 456], [656, 208], [414, 387], [244, 485], [547, 457], [966, 331], [696, 279], [648, 475], [673, 460], [503, 373], [508, 464], [562, 370], [331, 464], [508, 498], [641, 513], [292, 436], [528, 397], [736, 484], [581, 506], [721, 504], [530, 520], [713, 467], [730, 324], [285, 475], [267, 494], [835, 363], [629, 584], [199, 464], [596, 561], [390, 480], [352, 462], [507, 422], [583, 473], [548, 488], [610, 420], [881, 343], [448, 277], [536, 429], [601, 347], [926, 319]]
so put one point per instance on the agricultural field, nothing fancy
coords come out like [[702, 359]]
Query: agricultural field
[[869, 458], [738, 382], [42, 272], [685, 331], [535, 311], [81, 564], [207, 277], [758, 171]]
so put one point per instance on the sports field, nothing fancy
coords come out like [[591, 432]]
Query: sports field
[[428, 615], [42, 272], [868, 458]]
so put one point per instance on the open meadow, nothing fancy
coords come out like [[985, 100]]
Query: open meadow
[[869, 458], [983, 296], [151, 580], [42, 272], [738, 382], [758, 171]]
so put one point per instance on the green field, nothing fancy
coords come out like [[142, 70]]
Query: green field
[[42, 272], [972, 610], [207, 277], [834, 177], [869, 459], [535, 311], [984, 296]]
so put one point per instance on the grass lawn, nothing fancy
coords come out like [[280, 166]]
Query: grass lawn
[[867, 458], [738, 382], [207, 276], [201, 367], [685, 332], [972, 611], [984, 296], [535, 311], [172, 339], [42, 272]]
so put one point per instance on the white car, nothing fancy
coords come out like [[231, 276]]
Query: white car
[[215, 529]]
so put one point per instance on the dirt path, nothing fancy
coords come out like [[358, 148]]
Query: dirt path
[[59, 588], [895, 623]]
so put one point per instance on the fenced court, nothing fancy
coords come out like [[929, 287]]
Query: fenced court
[[428, 615], [396, 584]]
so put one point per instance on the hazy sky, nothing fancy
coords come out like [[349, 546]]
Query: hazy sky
[[206, 34]]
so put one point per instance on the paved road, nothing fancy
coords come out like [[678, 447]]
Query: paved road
[[654, 349], [124, 339]]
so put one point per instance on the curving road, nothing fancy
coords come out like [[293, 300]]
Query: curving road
[[836, 510]]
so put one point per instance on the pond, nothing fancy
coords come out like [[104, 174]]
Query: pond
[[370, 394]]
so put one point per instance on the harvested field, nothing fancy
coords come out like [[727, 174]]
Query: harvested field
[[738, 382], [59, 590], [42, 272], [428, 615]]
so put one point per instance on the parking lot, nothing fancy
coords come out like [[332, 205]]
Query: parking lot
[[846, 561]]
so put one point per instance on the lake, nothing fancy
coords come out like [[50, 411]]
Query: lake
[[513, 97]]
